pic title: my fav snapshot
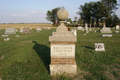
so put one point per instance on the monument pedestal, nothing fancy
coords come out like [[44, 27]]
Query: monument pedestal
[[62, 44], [63, 58]]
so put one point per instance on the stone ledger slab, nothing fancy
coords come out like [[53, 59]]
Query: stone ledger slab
[[107, 35]]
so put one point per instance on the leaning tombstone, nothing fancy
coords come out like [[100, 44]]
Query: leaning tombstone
[[99, 47], [10, 31], [26, 30], [62, 44]]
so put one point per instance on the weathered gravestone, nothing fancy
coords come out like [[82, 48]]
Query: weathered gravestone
[[38, 29], [116, 31], [5, 35], [117, 27], [17, 35], [80, 28], [86, 28], [21, 30], [106, 30], [99, 47], [6, 39], [10, 31], [26, 30], [107, 35], [62, 44], [48, 28]]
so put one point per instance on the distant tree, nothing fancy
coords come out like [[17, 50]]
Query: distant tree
[[110, 6], [52, 15], [115, 20]]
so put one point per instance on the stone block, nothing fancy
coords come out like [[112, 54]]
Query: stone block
[[107, 35]]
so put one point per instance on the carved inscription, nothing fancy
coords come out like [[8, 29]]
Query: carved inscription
[[62, 50]]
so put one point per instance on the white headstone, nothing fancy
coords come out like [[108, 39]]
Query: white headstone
[[10, 31], [107, 35], [117, 27], [80, 28], [5, 35], [86, 28], [116, 31], [99, 47], [38, 29], [106, 30], [21, 30]]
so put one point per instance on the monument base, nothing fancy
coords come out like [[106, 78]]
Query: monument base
[[63, 69]]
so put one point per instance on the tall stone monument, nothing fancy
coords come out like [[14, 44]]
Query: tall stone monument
[[62, 44]]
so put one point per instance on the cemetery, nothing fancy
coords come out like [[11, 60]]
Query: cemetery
[[27, 56], [84, 48]]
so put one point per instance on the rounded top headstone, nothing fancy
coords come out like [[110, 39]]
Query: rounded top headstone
[[62, 14]]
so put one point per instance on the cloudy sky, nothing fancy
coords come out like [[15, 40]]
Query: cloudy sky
[[30, 11]]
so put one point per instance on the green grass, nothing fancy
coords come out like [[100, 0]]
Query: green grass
[[28, 57]]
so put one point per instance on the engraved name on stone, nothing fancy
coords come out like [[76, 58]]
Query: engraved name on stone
[[63, 50]]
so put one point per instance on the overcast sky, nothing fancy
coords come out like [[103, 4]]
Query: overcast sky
[[30, 11]]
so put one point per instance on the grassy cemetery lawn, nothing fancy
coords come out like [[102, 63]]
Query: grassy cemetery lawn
[[27, 57]]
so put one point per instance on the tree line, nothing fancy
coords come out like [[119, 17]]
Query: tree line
[[92, 13]]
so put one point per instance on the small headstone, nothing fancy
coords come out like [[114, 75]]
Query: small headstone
[[30, 28], [74, 31], [99, 47], [80, 28], [16, 30], [21, 30], [106, 30], [5, 35], [48, 28], [6, 39], [86, 28], [116, 31], [117, 27], [44, 28], [107, 35], [84, 34], [26, 30], [10, 31], [38, 29], [94, 31], [17, 35]]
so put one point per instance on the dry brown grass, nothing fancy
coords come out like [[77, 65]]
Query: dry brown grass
[[3, 26]]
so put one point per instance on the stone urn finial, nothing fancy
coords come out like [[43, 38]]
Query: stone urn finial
[[62, 15]]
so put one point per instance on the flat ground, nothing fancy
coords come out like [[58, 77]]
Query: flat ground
[[3, 26], [28, 57]]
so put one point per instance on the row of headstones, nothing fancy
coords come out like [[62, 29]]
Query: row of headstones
[[22, 30], [103, 30]]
